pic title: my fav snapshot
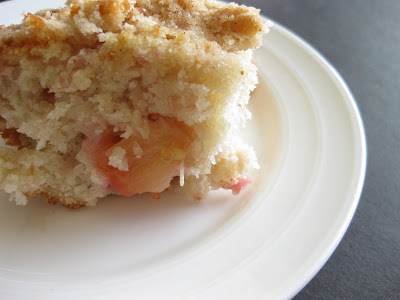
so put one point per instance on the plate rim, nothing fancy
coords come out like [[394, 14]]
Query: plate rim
[[356, 113]]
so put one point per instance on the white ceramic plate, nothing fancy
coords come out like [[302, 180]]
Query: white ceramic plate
[[268, 242]]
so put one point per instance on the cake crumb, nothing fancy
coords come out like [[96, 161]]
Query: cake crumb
[[137, 150], [118, 159]]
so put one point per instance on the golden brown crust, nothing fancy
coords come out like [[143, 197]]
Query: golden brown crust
[[74, 205], [232, 26], [53, 199]]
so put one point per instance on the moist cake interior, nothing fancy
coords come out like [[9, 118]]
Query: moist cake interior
[[127, 97]]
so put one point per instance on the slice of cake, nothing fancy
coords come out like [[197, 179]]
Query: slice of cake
[[127, 97]]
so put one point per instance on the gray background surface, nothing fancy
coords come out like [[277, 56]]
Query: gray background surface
[[361, 38]]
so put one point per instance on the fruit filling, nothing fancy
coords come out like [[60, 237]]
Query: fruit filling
[[137, 165]]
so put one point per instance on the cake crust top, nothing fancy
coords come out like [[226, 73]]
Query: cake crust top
[[232, 27]]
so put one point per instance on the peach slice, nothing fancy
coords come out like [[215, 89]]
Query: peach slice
[[161, 156]]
